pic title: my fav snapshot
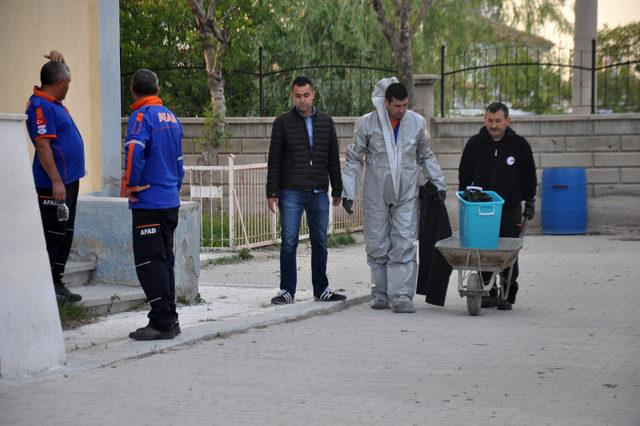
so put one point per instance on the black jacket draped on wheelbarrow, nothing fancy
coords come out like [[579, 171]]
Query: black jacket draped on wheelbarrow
[[434, 270]]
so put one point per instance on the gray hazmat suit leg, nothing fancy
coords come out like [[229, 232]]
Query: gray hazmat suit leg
[[390, 201], [390, 232]]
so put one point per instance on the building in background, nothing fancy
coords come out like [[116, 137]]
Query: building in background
[[87, 32]]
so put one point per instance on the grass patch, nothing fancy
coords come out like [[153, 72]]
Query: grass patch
[[73, 315], [199, 300], [184, 300], [339, 240], [244, 254], [212, 226]]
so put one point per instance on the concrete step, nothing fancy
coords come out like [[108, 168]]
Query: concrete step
[[78, 272], [103, 299]]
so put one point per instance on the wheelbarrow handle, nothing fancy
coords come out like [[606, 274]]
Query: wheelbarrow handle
[[523, 226]]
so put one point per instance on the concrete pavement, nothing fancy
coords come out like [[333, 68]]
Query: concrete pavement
[[566, 354]]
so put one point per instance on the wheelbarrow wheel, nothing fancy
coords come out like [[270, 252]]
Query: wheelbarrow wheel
[[474, 300]]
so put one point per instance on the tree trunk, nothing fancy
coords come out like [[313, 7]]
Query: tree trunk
[[398, 33], [215, 41], [215, 80], [404, 58]]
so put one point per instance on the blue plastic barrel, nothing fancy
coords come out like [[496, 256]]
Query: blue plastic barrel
[[564, 201]]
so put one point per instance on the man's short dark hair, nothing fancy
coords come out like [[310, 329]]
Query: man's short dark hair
[[52, 72], [396, 91], [144, 82], [498, 106], [302, 81]]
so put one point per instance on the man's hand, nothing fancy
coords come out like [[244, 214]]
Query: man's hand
[[348, 205], [272, 202], [336, 201], [442, 195], [55, 56], [529, 209], [128, 191], [59, 191]]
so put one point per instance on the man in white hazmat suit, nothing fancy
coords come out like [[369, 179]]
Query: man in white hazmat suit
[[395, 143]]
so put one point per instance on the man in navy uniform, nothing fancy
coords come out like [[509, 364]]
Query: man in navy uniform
[[153, 176], [58, 164]]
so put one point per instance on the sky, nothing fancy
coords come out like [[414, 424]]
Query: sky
[[610, 12]]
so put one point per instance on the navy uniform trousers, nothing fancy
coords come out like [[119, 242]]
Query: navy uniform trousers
[[153, 231], [58, 235]]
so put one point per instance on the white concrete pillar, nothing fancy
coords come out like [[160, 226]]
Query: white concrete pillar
[[111, 128], [87, 32], [424, 95], [586, 29], [30, 332]]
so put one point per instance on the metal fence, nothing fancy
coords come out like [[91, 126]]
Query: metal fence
[[343, 89], [234, 209], [537, 79], [263, 88]]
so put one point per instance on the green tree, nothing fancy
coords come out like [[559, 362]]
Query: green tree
[[618, 62], [456, 23], [160, 35], [308, 37], [299, 36], [399, 26]]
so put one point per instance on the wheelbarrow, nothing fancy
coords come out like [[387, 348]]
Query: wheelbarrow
[[470, 262]]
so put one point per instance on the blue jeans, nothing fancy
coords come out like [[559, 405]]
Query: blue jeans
[[316, 204]]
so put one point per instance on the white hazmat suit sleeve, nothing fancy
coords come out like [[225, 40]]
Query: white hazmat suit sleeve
[[427, 161], [354, 165]]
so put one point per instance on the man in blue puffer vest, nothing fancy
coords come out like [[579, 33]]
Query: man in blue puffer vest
[[152, 179]]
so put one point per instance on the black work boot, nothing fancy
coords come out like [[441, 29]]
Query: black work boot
[[504, 305], [64, 295], [150, 333], [490, 301]]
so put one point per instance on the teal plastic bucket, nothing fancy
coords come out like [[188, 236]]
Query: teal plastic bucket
[[564, 200], [480, 222]]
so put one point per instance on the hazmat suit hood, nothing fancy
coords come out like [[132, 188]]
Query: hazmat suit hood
[[377, 98]]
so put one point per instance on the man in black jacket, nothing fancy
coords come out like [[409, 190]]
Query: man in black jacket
[[497, 159], [303, 157]]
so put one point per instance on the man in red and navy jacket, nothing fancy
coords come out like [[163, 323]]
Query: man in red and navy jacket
[[58, 164], [152, 179]]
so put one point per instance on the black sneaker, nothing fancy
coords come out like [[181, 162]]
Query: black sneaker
[[149, 333], [489, 302], [282, 298], [64, 295], [329, 296], [504, 305]]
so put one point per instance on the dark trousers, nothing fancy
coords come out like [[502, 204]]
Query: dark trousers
[[58, 235], [511, 218], [153, 231]]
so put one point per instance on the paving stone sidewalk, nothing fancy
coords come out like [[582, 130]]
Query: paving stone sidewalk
[[566, 354]]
